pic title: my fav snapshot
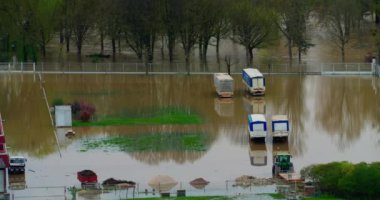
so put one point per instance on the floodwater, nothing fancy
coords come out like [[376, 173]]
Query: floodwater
[[333, 118]]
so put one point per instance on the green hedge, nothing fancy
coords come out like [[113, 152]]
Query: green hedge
[[347, 180]]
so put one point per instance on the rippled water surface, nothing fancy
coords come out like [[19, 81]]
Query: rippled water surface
[[332, 119]]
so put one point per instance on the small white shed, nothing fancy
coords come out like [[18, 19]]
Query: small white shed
[[63, 117]]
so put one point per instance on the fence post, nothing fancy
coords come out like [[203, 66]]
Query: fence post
[[96, 67], [136, 68], [373, 66], [34, 67], [22, 66], [9, 66], [345, 66], [123, 68], [109, 66]]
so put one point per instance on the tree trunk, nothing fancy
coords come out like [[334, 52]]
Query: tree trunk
[[171, 44], [67, 43], [299, 55], [162, 47], [343, 52], [187, 60], [43, 48], [250, 56], [200, 49], [217, 46], [113, 41], [204, 50], [61, 37], [290, 53], [101, 42], [119, 44], [79, 48]]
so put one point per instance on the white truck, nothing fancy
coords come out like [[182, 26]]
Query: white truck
[[257, 126], [254, 80], [224, 84], [280, 126], [17, 165]]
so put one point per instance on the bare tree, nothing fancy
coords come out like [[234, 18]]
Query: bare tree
[[341, 18]]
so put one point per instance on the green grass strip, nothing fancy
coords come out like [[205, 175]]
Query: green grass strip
[[323, 197], [190, 198], [273, 195], [167, 118], [156, 142]]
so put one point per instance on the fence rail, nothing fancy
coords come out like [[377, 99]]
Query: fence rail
[[182, 68]]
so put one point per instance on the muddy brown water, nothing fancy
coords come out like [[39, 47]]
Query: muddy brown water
[[333, 118]]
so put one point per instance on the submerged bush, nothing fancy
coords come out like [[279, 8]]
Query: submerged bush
[[58, 102], [82, 111]]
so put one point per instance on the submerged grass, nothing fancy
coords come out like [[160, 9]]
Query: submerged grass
[[150, 142], [163, 116]]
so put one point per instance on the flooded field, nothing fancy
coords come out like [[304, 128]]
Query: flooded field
[[332, 119]]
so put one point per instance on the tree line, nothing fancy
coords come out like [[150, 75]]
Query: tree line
[[27, 27]]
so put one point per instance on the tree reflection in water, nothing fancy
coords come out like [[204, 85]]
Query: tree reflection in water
[[347, 107]]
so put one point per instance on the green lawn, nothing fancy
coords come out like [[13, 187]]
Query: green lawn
[[323, 197], [154, 142], [190, 198], [171, 117], [274, 195]]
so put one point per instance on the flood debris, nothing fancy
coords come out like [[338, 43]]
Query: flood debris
[[111, 182], [199, 183], [247, 181]]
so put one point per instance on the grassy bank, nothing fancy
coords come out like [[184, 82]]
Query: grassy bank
[[157, 118], [323, 197], [150, 142]]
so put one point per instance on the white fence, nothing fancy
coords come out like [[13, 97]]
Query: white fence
[[181, 68]]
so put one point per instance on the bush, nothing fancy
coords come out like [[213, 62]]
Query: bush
[[347, 180], [58, 102], [75, 108], [84, 116]]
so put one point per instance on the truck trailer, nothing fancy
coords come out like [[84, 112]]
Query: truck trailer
[[254, 81]]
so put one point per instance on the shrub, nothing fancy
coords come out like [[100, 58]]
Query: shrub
[[75, 107], [58, 102], [82, 111], [84, 116]]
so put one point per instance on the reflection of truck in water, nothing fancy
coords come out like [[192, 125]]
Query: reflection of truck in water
[[17, 181], [17, 165], [224, 107], [281, 159], [258, 153], [254, 81], [254, 105]]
